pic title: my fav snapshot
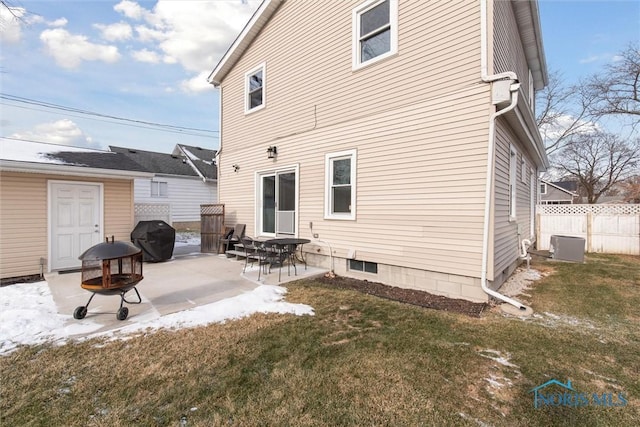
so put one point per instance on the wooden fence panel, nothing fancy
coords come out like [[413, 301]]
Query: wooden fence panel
[[211, 227], [605, 228]]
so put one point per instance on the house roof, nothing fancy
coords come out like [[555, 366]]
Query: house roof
[[527, 17], [569, 187], [166, 164], [27, 156], [202, 159]]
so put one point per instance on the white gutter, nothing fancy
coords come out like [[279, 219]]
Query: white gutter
[[514, 87]]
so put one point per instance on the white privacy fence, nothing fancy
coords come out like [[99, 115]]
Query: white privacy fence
[[606, 228]]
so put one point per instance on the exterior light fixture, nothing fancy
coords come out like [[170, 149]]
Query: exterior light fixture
[[272, 151]]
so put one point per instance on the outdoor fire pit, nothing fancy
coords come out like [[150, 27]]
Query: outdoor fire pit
[[111, 268]]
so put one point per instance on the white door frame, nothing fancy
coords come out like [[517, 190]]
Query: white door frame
[[50, 205], [295, 169]]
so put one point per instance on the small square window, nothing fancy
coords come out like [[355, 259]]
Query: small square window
[[375, 31], [363, 266], [254, 93], [159, 189]]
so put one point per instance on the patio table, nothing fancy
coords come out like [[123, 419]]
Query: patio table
[[286, 248]]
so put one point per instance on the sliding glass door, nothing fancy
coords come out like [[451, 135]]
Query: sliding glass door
[[277, 203]]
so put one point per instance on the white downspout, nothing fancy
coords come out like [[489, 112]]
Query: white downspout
[[508, 75]]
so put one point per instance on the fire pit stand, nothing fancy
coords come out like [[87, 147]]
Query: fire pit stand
[[111, 268]]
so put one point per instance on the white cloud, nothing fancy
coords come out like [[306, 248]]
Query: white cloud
[[146, 55], [10, 20], [198, 83], [552, 131], [146, 34], [115, 32], [61, 22], [70, 50], [130, 9], [62, 132], [194, 33]]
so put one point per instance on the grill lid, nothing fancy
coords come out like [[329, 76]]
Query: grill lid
[[109, 250]]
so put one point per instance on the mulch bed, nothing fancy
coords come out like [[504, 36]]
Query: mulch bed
[[409, 296]]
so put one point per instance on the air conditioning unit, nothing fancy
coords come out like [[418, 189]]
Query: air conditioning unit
[[567, 248]]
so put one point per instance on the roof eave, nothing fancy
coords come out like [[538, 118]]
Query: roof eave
[[528, 20], [242, 42], [70, 170]]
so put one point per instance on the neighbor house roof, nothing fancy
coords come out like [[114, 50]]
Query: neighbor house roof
[[202, 159], [36, 157], [163, 163], [569, 187]]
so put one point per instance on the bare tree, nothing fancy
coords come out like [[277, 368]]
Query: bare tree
[[617, 90], [630, 189], [598, 161], [563, 112]]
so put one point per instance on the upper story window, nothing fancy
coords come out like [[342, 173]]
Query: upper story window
[[340, 193], [254, 96], [375, 31], [159, 189]]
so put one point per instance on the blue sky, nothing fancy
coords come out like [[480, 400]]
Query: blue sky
[[148, 60]]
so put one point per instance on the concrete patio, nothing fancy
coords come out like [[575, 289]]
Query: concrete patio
[[188, 280]]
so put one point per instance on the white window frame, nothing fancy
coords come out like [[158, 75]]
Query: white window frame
[[157, 185], [513, 182], [328, 195], [247, 106], [543, 192], [355, 29]]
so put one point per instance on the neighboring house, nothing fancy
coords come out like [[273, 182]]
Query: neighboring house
[[558, 193], [399, 136], [57, 201], [181, 182]]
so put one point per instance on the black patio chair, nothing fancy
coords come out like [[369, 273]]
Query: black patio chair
[[234, 237], [253, 251]]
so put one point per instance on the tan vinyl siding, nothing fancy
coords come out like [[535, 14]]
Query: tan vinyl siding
[[118, 209], [508, 50], [309, 80], [23, 218], [420, 183], [506, 237], [23, 224]]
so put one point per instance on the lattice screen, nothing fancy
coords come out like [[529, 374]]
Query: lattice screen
[[152, 211], [630, 209], [211, 209]]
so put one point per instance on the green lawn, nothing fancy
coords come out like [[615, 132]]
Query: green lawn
[[361, 360]]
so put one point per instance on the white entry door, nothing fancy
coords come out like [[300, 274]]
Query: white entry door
[[75, 218]]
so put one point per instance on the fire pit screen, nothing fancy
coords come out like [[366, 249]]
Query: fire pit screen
[[111, 268]]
